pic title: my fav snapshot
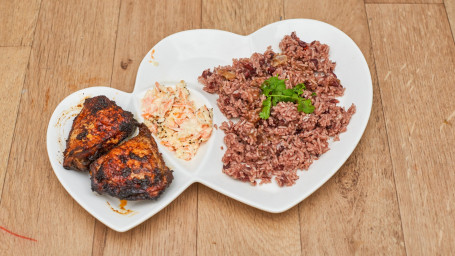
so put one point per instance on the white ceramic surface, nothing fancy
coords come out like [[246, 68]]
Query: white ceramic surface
[[183, 56]]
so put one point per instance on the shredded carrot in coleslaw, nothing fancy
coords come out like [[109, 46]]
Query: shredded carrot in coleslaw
[[174, 119]]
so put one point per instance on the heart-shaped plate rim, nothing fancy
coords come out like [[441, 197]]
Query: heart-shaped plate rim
[[176, 57]]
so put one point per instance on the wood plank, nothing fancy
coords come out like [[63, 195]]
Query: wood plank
[[240, 17], [99, 239], [226, 226], [170, 232], [13, 64], [142, 25], [404, 1], [17, 21], [450, 9], [72, 49], [415, 63], [356, 211]]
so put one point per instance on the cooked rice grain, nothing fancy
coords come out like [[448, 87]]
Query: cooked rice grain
[[258, 150]]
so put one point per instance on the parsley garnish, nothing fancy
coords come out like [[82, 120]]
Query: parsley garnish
[[275, 91]]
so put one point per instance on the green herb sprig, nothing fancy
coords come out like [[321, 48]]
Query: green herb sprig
[[275, 91]]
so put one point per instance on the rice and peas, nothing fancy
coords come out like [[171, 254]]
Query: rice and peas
[[288, 140]]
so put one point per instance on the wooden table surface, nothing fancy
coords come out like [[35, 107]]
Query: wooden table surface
[[395, 194]]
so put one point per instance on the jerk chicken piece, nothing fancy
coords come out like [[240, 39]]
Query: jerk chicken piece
[[134, 170], [100, 126]]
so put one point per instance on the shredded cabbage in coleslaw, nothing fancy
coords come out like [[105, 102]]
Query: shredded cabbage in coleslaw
[[174, 119]]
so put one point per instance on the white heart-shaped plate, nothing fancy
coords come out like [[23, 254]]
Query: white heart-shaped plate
[[183, 56]]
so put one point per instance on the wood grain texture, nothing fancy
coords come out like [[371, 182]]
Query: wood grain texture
[[240, 17], [226, 226], [404, 1], [450, 10], [99, 238], [13, 65], [73, 47], [18, 21], [141, 26], [415, 64], [172, 231], [356, 211]]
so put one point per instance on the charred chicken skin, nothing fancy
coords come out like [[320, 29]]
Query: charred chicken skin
[[134, 170], [100, 126]]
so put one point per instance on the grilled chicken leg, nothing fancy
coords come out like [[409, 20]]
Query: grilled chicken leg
[[100, 126], [134, 170]]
